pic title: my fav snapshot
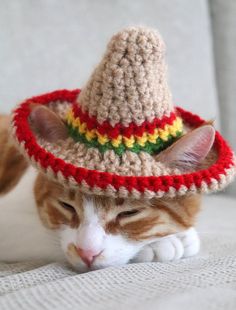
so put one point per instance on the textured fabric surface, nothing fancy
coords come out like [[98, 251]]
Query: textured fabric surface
[[207, 281]]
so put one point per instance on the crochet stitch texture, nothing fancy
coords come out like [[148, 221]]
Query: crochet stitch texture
[[126, 104], [118, 123], [129, 85]]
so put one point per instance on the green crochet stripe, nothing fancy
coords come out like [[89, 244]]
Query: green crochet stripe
[[151, 148]]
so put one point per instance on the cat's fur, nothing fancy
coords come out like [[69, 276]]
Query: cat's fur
[[40, 219]]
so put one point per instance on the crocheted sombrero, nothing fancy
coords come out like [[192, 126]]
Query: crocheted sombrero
[[118, 124]]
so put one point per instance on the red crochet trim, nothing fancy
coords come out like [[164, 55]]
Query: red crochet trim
[[118, 129], [103, 179]]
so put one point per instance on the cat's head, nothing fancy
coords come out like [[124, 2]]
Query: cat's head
[[96, 232]]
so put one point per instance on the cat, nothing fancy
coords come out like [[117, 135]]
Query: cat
[[41, 219]]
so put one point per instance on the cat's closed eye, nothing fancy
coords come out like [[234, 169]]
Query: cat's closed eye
[[127, 213], [67, 206]]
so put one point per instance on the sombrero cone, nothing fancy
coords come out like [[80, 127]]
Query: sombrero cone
[[118, 125]]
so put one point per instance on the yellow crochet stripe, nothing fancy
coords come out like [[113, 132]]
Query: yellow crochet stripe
[[168, 130]]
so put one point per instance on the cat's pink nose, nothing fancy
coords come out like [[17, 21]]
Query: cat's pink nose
[[88, 256]]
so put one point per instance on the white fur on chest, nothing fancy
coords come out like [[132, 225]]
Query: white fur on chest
[[22, 235]]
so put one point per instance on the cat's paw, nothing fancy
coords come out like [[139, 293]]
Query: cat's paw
[[145, 255], [174, 247], [190, 241], [165, 250], [168, 249], [171, 248]]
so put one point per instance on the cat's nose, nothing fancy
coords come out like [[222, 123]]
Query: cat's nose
[[88, 256]]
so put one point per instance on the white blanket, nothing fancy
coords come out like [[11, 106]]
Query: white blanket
[[207, 281]]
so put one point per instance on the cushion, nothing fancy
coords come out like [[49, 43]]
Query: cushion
[[206, 281]]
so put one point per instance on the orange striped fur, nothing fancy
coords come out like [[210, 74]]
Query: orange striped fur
[[157, 218], [12, 163], [127, 225]]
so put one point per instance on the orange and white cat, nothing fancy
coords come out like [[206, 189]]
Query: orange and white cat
[[40, 219]]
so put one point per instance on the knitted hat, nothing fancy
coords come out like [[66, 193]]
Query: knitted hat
[[126, 104], [118, 124]]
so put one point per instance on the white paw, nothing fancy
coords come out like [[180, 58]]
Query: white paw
[[170, 248], [190, 241], [145, 255]]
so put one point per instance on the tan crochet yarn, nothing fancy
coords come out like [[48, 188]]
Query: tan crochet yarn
[[129, 85], [129, 163], [130, 82], [118, 124]]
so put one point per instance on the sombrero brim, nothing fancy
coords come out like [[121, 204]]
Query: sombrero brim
[[214, 178]]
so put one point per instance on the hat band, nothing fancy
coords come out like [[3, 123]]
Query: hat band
[[150, 142], [113, 131]]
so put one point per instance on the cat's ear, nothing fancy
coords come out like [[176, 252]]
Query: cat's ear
[[190, 150], [47, 124]]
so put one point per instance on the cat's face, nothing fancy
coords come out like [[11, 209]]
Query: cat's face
[[96, 232]]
